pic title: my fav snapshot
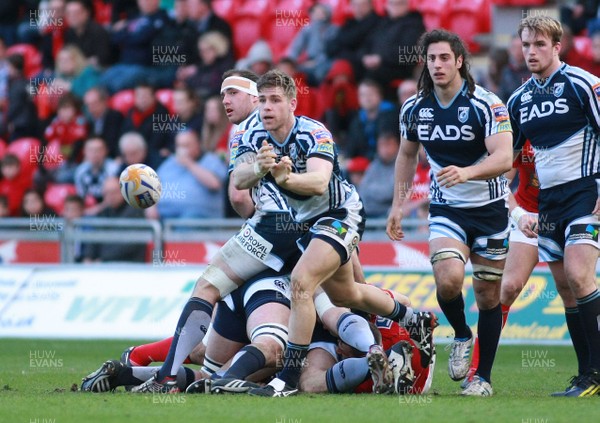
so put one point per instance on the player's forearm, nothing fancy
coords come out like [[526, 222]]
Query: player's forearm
[[404, 173], [309, 183], [494, 165], [241, 201], [244, 176]]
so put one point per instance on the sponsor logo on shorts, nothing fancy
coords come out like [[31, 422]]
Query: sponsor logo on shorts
[[253, 243], [497, 247], [586, 232]]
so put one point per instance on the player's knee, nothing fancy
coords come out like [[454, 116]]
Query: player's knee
[[312, 382], [214, 284], [270, 339], [447, 254], [511, 289], [487, 273], [197, 354]]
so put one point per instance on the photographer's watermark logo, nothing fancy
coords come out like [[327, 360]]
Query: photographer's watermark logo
[[411, 55], [44, 359], [535, 13], [47, 87], [168, 55], [48, 155], [45, 18], [415, 400], [167, 123], [167, 259], [160, 398], [289, 17], [536, 359], [45, 223]]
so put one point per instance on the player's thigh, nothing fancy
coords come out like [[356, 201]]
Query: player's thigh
[[448, 256], [520, 262], [580, 268], [221, 349], [341, 288], [317, 264], [267, 329]]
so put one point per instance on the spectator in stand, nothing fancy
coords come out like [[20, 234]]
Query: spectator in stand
[[21, 116], [4, 77], [52, 29], [102, 121], [376, 188], [123, 10], [201, 20], [193, 181], [491, 77], [215, 131], [186, 106], [515, 73], [340, 99], [94, 170], [72, 73], [305, 106], [9, 18], [356, 168], [259, 58], [594, 65], [13, 183], [34, 205], [74, 208], [577, 15], [133, 150], [353, 36], [308, 46], [151, 119], [135, 39], [568, 53], [4, 211], [27, 32], [114, 206], [91, 38], [390, 52], [406, 89], [215, 58], [70, 130], [373, 113]]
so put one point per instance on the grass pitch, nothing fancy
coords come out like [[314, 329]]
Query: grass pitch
[[37, 377]]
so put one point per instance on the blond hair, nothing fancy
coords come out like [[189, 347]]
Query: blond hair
[[544, 25]]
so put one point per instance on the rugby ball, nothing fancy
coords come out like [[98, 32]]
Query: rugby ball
[[140, 186]]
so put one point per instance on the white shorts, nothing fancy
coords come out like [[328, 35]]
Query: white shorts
[[516, 235]]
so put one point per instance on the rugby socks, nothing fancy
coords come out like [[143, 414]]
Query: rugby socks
[[475, 353], [401, 313], [489, 328], [580, 343], [454, 310], [191, 328], [136, 375], [293, 360], [346, 375], [355, 331], [143, 355], [589, 310], [247, 361]]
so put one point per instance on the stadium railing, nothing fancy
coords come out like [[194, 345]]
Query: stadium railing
[[154, 233]]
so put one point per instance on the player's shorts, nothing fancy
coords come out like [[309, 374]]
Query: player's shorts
[[340, 228], [233, 311], [516, 235], [269, 238], [565, 218], [483, 229]]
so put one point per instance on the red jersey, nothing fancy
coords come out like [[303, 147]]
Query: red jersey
[[392, 333], [529, 185]]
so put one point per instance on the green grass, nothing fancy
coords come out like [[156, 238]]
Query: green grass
[[42, 394]]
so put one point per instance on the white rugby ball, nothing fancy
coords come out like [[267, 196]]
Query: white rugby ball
[[140, 186]]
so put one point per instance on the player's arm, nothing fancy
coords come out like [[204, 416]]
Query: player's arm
[[250, 167], [404, 173], [313, 182], [240, 200], [499, 161]]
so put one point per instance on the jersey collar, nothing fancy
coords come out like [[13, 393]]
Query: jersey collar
[[458, 93], [292, 132]]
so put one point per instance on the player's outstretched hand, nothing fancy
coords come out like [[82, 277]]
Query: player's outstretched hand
[[265, 158], [528, 224], [394, 224], [452, 175], [281, 171]]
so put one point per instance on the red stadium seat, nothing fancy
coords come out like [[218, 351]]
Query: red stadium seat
[[246, 31], [469, 18], [165, 96], [122, 101], [28, 150], [102, 12], [435, 12], [31, 56], [379, 6], [282, 30], [583, 46], [226, 8], [56, 194], [53, 157]]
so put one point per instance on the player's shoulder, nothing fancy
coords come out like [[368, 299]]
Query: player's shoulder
[[581, 77], [252, 121], [521, 94], [486, 96], [411, 103], [313, 129]]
